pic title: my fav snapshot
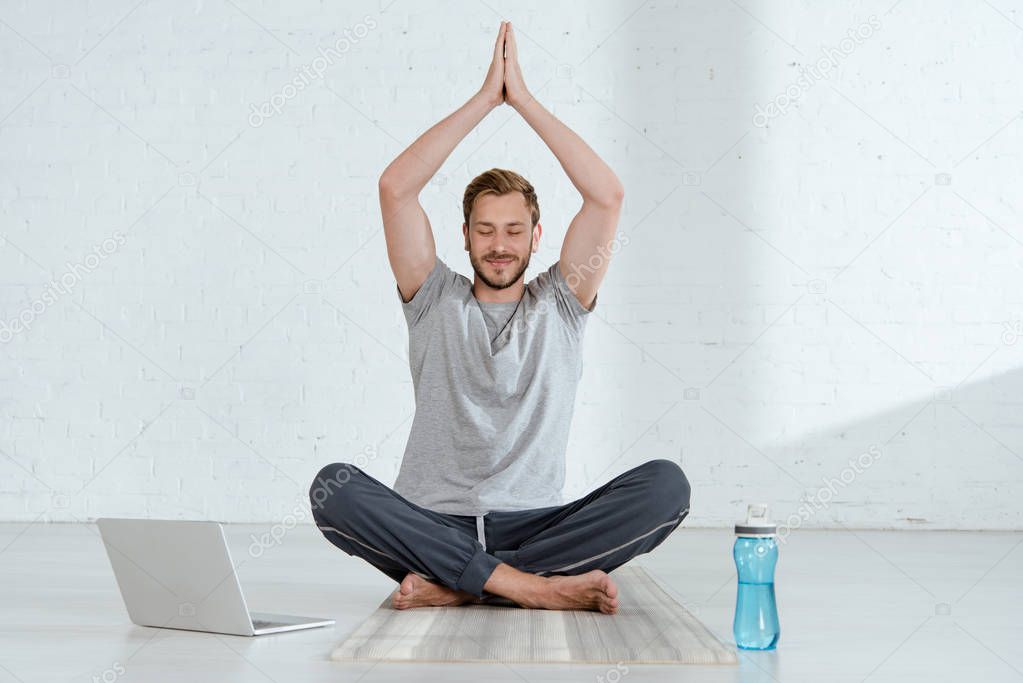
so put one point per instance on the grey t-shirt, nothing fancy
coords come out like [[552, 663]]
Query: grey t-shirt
[[495, 388]]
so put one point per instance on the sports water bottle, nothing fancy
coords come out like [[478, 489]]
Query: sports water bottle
[[755, 552]]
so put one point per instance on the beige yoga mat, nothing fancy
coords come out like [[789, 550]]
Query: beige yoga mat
[[650, 627]]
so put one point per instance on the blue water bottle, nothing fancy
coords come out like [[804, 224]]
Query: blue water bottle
[[756, 552]]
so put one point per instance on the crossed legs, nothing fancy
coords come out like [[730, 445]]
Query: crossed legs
[[560, 561]]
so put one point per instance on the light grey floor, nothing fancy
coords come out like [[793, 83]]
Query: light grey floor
[[854, 606]]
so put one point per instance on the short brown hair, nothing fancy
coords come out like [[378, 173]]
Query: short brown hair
[[500, 181]]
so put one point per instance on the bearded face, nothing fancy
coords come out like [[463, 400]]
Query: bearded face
[[500, 239]]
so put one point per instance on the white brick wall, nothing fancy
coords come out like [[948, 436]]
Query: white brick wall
[[843, 280]]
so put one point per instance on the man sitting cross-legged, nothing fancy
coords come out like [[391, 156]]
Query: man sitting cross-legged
[[476, 513]]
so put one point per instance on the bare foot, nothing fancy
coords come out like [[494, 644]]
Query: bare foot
[[415, 591], [593, 590]]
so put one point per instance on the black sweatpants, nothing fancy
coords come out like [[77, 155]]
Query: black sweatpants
[[628, 516]]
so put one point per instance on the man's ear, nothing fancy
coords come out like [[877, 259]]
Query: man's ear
[[538, 230], [465, 234]]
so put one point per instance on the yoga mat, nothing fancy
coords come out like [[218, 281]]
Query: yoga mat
[[650, 627]]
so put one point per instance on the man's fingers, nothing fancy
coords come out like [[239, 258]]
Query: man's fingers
[[499, 46], [509, 42]]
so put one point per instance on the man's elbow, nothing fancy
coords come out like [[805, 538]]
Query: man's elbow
[[386, 186], [618, 194], [397, 190], [610, 198]]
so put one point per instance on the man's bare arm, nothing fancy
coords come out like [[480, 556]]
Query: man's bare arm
[[592, 230], [410, 246]]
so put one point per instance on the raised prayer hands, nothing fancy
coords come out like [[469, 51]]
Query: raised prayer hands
[[493, 85], [515, 92], [504, 84]]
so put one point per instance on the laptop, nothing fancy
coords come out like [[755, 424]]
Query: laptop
[[178, 574]]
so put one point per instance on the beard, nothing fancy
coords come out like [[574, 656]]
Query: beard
[[507, 276]]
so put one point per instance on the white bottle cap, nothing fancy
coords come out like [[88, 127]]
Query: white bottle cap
[[757, 524]]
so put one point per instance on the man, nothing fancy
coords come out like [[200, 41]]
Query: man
[[476, 511]]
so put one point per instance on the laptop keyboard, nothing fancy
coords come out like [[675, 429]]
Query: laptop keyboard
[[260, 623]]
